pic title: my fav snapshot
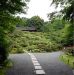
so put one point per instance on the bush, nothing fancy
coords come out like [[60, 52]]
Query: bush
[[34, 42], [16, 48], [70, 50], [4, 46], [31, 48]]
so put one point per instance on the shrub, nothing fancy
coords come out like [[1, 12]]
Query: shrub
[[34, 42], [70, 50], [31, 48], [20, 50], [4, 46]]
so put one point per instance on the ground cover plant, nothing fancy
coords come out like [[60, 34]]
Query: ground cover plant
[[33, 42], [68, 59]]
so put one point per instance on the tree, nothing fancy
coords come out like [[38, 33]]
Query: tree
[[7, 21], [36, 21], [68, 6], [68, 14], [21, 21]]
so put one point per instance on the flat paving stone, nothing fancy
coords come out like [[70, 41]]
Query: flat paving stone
[[32, 56], [36, 64], [38, 67], [35, 61], [40, 72]]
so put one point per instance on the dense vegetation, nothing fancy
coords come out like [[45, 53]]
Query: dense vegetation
[[7, 23], [67, 13], [49, 36], [33, 42], [68, 59]]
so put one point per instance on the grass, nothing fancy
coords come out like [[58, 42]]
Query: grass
[[7, 64], [68, 59]]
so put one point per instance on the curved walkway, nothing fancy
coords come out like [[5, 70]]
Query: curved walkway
[[49, 61]]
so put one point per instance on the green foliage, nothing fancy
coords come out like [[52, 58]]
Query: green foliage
[[68, 14], [7, 64], [68, 59], [21, 21], [12, 6], [7, 24], [70, 35], [69, 50], [33, 41], [36, 22], [52, 38], [55, 30], [5, 29], [68, 10], [67, 35]]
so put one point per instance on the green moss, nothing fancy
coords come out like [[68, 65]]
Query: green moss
[[68, 59]]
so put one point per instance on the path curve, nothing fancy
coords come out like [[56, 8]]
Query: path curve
[[49, 61]]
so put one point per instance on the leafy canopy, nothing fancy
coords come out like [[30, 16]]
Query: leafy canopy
[[36, 22], [7, 22], [68, 10]]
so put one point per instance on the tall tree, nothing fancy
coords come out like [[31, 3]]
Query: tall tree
[[7, 9], [68, 14], [68, 6], [36, 22]]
